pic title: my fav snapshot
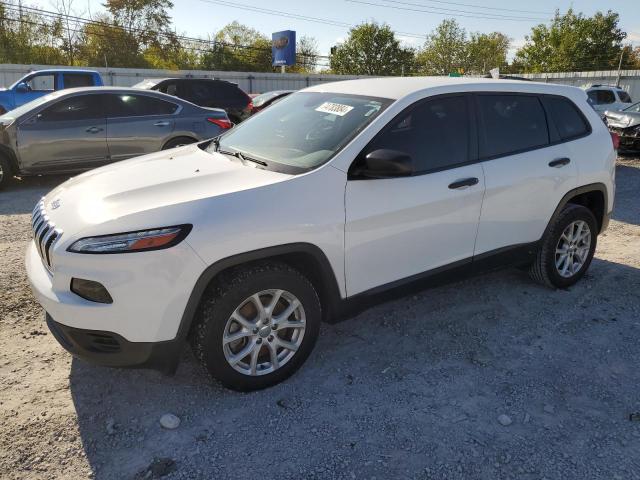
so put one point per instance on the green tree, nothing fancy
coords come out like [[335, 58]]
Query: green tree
[[573, 42], [239, 48], [486, 51], [307, 55], [28, 38], [445, 50], [372, 49]]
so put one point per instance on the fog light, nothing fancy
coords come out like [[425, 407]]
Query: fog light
[[90, 290]]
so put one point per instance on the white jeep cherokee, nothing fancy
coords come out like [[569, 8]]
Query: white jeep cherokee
[[241, 245]]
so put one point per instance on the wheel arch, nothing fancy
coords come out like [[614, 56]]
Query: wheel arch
[[307, 258], [9, 154], [592, 196], [176, 137]]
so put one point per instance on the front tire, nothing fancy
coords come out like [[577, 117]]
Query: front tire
[[256, 325], [6, 172], [567, 248], [178, 142]]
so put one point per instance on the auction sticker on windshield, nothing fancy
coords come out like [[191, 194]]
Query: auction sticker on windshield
[[334, 108]]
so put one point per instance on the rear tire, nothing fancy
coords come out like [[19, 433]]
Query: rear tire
[[6, 172], [567, 248], [248, 345], [178, 142]]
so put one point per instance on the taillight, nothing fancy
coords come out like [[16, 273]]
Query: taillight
[[615, 138], [223, 123], [250, 106]]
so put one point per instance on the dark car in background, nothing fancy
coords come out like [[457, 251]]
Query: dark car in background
[[206, 92], [263, 100], [82, 128]]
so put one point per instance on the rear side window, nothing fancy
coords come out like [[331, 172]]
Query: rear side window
[[624, 96], [229, 94], [434, 133], [568, 120], [72, 80], [84, 107], [127, 105], [601, 97], [511, 123]]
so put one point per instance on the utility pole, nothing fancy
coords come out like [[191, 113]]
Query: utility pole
[[619, 66]]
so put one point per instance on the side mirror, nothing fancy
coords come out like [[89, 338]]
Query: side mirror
[[385, 163], [22, 88]]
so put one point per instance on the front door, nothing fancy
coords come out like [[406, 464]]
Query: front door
[[400, 227], [69, 134]]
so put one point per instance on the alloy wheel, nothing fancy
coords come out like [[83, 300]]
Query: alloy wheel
[[573, 248], [264, 332]]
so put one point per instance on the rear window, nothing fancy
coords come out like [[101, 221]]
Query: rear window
[[601, 97], [569, 122], [511, 123], [624, 96], [72, 80], [128, 105]]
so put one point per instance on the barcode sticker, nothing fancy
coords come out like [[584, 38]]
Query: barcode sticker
[[334, 108]]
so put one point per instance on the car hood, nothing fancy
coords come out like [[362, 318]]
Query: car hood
[[622, 119], [168, 178]]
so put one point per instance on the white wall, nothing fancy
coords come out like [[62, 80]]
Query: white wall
[[629, 79], [250, 82]]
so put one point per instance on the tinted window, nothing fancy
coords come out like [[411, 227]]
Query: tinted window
[[435, 134], [604, 97], [569, 122], [511, 123], [200, 92], [230, 94], [72, 80], [624, 96], [85, 107], [128, 105]]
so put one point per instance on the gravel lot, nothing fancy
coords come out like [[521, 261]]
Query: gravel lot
[[492, 377]]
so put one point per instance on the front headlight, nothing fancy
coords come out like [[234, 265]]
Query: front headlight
[[139, 241]]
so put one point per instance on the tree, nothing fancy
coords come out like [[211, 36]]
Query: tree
[[573, 42], [239, 48], [71, 28], [486, 51], [26, 37], [445, 50], [307, 55], [372, 49]]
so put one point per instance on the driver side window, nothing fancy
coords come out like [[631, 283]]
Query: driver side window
[[41, 83], [434, 133]]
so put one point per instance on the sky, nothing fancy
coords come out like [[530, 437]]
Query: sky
[[202, 18]]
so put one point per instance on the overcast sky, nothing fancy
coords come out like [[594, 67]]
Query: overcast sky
[[200, 18]]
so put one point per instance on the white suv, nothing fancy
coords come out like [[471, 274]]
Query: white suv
[[608, 97], [241, 245]]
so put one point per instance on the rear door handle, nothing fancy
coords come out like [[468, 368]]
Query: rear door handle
[[464, 183], [559, 162], [162, 123], [93, 130]]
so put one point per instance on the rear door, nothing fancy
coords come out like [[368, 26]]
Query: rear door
[[69, 134], [527, 172], [138, 124]]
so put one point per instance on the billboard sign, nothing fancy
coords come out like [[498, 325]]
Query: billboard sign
[[283, 48]]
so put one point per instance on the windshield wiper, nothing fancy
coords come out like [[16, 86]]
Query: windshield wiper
[[244, 157], [238, 155]]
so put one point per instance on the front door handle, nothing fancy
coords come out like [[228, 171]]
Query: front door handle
[[162, 123], [464, 183], [559, 162], [93, 130]]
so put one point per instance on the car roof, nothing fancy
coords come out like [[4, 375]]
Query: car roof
[[63, 70], [399, 87]]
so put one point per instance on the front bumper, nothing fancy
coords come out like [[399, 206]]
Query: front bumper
[[112, 350]]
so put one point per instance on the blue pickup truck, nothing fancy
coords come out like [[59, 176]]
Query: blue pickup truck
[[39, 83]]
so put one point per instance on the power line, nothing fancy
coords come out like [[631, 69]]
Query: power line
[[457, 13], [482, 6]]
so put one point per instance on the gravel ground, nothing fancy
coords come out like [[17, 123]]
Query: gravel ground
[[492, 377]]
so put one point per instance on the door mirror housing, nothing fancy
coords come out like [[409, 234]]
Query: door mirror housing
[[385, 163], [22, 88]]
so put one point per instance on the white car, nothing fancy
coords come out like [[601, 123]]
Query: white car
[[608, 97], [241, 245]]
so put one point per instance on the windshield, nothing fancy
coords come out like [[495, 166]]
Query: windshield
[[633, 108], [302, 131], [22, 109]]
